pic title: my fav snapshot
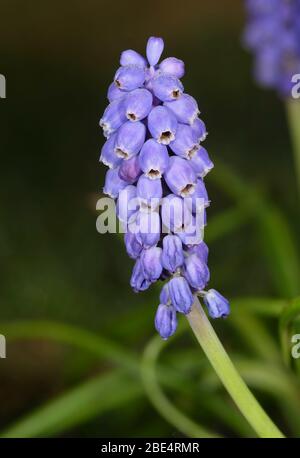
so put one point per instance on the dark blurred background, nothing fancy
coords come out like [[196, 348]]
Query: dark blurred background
[[58, 59]]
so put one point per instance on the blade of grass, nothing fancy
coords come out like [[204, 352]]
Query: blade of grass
[[290, 313], [84, 402], [166, 409], [280, 250], [73, 335], [226, 222], [293, 116], [278, 241]]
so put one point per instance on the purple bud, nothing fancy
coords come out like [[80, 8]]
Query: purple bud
[[155, 47], [172, 66], [164, 296], [172, 253], [175, 213], [201, 162], [199, 199], [217, 305], [165, 321], [108, 156], [138, 282], [133, 247], [138, 104], [162, 125], [149, 191], [196, 272], [113, 117], [114, 93], [167, 87], [180, 294], [151, 262], [185, 109], [127, 203], [131, 57], [113, 183], [180, 177], [129, 77], [147, 228], [185, 144], [200, 250], [130, 139], [154, 159], [192, 232], [199, 130], [130, 170]]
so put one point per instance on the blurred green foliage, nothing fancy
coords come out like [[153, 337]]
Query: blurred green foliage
[[76, 333]]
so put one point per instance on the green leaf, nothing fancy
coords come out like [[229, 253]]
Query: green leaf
[[162, 404], [280, 250], [72, 335], [226, 222], [278, 241], [78, 405], [289, 314], [293, 114]]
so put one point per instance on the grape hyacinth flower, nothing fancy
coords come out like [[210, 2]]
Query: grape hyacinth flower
[[156, 160], [272, 33]]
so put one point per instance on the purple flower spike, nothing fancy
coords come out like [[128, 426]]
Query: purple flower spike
[[154, 159], [180, 294], [167, 87], [172, 254], [185, 144], [156, 170], [147, 225], [138, 104], [149, 191], [185, 109], [114, 93], [151, 262], [113, 117], [196, 272], [180, 177], [162, 125], [130, 139], [129, 77], [217, 305], [113, 183], [138, 281], [165, 321], [201, 162], [133, 247], [108, 156], [130, 170], [131, 57], [155, 47], [172, 66], [199, 130], [272, 34]]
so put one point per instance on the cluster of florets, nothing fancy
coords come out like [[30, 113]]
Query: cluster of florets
[[273, 34], [156, 168]]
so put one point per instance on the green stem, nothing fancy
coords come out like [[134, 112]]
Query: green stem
[[229, 376], [293, 114], [166, 409]]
